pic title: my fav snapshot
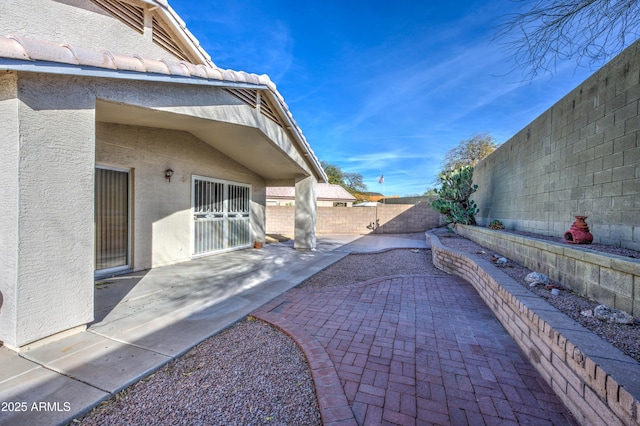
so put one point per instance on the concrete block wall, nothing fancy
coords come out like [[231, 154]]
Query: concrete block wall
[[606, 278], [580, 157], [596, 381], [384, 219]]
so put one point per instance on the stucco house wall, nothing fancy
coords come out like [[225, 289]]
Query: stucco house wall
[[162, 209], [53, 166], [580, 157], [9, 242], [56, 204]]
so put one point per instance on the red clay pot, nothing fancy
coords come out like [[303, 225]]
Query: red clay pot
[[579, 232]]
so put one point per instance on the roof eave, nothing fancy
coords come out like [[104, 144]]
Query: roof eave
[[58, 68], [292, 126]]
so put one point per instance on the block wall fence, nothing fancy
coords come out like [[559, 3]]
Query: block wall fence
[[580, 157], [384, 219]]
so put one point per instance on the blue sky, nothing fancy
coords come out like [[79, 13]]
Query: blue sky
[[381, 87]]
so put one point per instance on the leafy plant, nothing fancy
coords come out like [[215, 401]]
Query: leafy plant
[[495, 224], [453, 197], [469, 152]]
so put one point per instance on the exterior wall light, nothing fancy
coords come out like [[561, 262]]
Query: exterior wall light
[[167, 174]]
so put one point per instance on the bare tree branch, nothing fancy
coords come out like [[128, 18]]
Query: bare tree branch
[[547, 31]]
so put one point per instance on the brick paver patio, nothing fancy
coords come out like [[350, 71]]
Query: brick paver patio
[[413, 350]]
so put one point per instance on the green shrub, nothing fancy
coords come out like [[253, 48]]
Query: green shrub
[[453, 197], [495, 224]]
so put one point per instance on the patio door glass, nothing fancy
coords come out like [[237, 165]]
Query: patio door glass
[[221, 215], [111, 219]]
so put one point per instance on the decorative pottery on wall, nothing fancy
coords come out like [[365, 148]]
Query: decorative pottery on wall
[[579, 232]]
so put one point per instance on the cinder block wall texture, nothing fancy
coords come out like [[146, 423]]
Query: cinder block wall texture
[[384, 219], [609, 279], [580, 157]]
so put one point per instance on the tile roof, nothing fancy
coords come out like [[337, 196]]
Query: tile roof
[[32, 50], [324, 191]]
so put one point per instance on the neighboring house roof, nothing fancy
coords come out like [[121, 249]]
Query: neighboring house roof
[[324, 191], [28, 54]]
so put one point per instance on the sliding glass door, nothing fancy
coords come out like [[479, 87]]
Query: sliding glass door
[[112, 248]]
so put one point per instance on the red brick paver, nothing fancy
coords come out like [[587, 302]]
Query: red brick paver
[[413, 350]]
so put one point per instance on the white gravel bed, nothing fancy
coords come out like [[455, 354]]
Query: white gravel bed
[[362, 267], [249, 374]]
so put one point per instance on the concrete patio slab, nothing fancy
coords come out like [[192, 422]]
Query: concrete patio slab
[[377, 242], [33, 395], [13, 366], [102, 363]]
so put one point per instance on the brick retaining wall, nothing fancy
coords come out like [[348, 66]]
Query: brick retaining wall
[[596, 381], [384, 219], [609, 279]]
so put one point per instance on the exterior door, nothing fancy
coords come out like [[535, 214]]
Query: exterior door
[[112, 248], [221, 215]]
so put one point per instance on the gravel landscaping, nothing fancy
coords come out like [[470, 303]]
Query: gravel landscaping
[[362, 267], [250, 373], [619, 251]]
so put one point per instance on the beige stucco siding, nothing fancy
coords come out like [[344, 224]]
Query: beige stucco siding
[[55, 207], [207, 103], [162, 209], [76, 22], [8, 204]]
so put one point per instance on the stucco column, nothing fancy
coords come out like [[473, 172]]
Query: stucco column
[[52, 273], [305, 215]]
